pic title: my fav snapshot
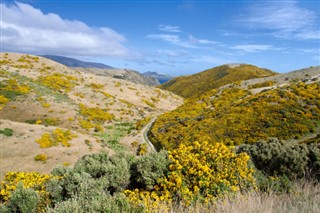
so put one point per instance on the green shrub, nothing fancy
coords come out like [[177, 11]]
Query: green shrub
[[23, 200], [99, 203], [279, 158], [6, 131], [149, 168], [92, 174]]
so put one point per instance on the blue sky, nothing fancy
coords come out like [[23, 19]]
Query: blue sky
[[173, 37]]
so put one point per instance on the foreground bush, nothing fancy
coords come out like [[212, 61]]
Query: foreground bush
[[198, 172], [275, 157]]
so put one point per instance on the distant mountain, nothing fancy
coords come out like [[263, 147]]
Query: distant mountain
[[199, 83], [72, 62], [125, 74], [162, 78]]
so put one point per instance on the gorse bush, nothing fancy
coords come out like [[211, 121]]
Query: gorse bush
[[32, 180], [58, 136], [277, 158], [11, 88], [198, 172], [58, 81]]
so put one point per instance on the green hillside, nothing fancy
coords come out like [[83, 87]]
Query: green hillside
[[197, 84], [234, 116]]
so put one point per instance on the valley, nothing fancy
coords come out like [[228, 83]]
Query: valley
[[77, 135]]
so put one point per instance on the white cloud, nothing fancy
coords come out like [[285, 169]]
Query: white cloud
[[169, 28], [214, 60], [254, 47], [27, 29], [171, 38], [285, 19], [194, 40]]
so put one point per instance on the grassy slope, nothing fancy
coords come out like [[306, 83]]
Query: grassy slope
[[235, 116], [197, 84], [38, 95]]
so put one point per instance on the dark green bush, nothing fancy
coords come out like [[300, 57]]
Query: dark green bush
[[6, 131], [147, 169], [278, 158]]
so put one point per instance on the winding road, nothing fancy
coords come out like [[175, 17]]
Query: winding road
[[145, 131]]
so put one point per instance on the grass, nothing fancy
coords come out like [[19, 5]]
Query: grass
[[114, 134], [304, 199]]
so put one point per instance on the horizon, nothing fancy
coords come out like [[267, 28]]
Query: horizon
[[170, 37]]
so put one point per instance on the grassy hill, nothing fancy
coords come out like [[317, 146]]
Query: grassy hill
[[197, 84], [39, 96], [234, 115]]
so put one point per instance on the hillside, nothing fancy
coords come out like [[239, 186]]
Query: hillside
[[125, 74], [72, 62], [235, 115], [199, 83], [67, 112]]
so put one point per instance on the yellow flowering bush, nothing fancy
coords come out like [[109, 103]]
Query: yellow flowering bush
[[205, 171], [58, 81], [32, 180], [58, 136], [3, 101], [41, 157], [95, 114], [152, 201], [11, 88], [197, 172]]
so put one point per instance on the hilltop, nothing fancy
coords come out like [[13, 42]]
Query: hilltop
[[104, 70], [72, 62], [46, 104], [199, 83]]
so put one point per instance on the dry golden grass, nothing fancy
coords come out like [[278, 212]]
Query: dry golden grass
[[304, 199]]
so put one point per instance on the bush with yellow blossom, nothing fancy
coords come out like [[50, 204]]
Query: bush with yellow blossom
[[197, 172], [32, 180]]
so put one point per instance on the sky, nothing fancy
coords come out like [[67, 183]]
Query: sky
[[171, 37]]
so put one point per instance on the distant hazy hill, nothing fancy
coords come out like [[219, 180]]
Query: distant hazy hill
[[125, 74], [162, 78], [197, 84], [72, 62]]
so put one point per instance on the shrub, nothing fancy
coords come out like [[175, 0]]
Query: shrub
[[23, 200], [196, 172], [58, 136], [148, 169], [32, 180], [142, 149], [58, 81], [278, 158], [91, 175], [41, 157], [6, 131]]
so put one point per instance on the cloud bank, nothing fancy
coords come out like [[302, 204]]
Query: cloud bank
[[27, 29]]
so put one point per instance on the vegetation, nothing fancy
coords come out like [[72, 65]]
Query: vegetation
[[6, 131], [58, 136], [234, 116], [58, 81], [41, 157], [277, 158], [200, 83]]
